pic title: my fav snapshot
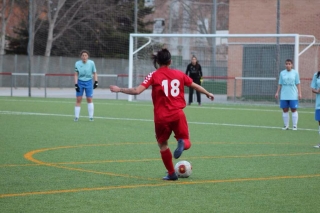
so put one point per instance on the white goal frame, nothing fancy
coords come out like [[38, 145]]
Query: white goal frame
[[149, 36]]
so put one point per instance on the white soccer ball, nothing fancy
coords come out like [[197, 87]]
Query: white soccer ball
[[183, 169]]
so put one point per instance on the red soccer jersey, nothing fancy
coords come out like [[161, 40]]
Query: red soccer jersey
[[167, 92]]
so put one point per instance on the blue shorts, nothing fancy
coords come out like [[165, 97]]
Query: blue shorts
[[292, 104], [317, 115], [86, 86]]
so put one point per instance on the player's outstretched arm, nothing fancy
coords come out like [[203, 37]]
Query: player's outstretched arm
[[130, 91], [202, 90]]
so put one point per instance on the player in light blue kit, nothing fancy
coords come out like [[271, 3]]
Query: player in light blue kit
[[289, 84], [315, 86], [85, 69]]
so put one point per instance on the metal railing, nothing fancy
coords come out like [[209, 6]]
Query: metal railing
[[232, 93]]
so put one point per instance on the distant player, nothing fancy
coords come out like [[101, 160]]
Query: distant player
[[168, 100], [85, 69], [315, 86], [289, 84], [195, 72]]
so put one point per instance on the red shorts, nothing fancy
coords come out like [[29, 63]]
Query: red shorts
[[179, 127]]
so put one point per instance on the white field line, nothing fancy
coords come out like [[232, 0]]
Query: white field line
[[145, 120], [213, 107]]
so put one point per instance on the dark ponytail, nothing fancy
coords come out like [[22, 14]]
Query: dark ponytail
[[318, 74], [163, 57], [154, 60]]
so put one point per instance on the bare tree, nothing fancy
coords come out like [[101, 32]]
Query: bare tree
[[63, 15], [53, 9], [64, 27], [37, 7], [197, 16], [52, 19], [6, 11]]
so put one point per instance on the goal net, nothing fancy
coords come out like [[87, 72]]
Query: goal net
[[235, 67]]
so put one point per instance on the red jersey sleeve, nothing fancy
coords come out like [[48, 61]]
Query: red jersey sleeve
[[147, 80]]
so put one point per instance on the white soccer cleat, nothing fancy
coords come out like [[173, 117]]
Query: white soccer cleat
[[317, 146], [294, 128], [285, 128]]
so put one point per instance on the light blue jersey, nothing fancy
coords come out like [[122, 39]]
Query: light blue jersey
[[315, 84], [85, 70], [289, 81]]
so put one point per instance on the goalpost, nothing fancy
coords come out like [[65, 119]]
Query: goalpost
[[236, 66]]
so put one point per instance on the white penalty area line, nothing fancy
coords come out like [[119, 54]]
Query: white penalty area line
[[146, 120]]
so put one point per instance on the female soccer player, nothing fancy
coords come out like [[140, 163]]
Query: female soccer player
[[195, 72], [289, 84], [168, 100], [315, 86], [84, 69]]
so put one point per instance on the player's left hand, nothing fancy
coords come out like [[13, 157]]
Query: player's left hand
[[114, 88], [210, 96], [95, 85]]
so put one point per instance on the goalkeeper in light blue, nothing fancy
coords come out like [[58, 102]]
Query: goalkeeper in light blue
[[85, 70], [315, 86], [290, 93]]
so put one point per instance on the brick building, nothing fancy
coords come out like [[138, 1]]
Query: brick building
[[260, 17]]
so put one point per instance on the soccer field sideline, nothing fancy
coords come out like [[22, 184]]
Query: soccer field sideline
[[146, 120], [209, 105]]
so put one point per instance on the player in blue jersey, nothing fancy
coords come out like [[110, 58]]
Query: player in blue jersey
[[315, 86], [289, 85], [85, 70]]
